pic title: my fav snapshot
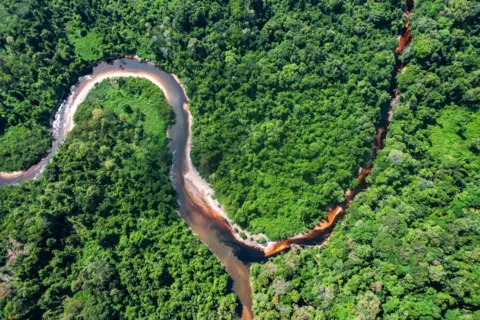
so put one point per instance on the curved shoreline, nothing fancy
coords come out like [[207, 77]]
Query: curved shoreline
[[198, 209], [64, 122], [196, 187], [190, 174]]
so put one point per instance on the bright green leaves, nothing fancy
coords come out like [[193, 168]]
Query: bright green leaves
[[88, 45], [22, 147], [424, 48]]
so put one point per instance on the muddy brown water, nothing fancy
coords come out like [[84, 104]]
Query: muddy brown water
[[213, 230]]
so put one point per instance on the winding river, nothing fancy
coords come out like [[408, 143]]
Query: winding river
[[197, 205]]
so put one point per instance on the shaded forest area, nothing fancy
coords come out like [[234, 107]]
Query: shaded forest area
[[409, 246], [97, 237]]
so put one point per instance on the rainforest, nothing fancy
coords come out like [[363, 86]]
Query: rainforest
[[267, 159]]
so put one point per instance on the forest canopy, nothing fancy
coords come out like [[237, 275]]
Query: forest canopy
[[286, 97]]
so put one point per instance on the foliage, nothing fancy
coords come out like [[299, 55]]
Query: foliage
[[23, 145], [97, 237], [88, 45], [286, 116], [409, 246]]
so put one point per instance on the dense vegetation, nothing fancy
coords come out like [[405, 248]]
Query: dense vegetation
[[98, 236], [409, 247], [285, 94]]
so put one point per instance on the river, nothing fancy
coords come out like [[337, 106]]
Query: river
[[194, 206]]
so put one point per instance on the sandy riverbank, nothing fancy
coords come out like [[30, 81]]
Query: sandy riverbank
[[11, 175], [193, 181]]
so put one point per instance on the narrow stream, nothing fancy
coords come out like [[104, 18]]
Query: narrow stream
[[194, 207], [322, 230]]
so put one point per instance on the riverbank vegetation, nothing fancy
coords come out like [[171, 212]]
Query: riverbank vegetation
[[97, 236], [409, 246]]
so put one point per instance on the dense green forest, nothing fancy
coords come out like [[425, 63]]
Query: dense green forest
[[285, 94], [97, 237], [409, 247], [285, 97]]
